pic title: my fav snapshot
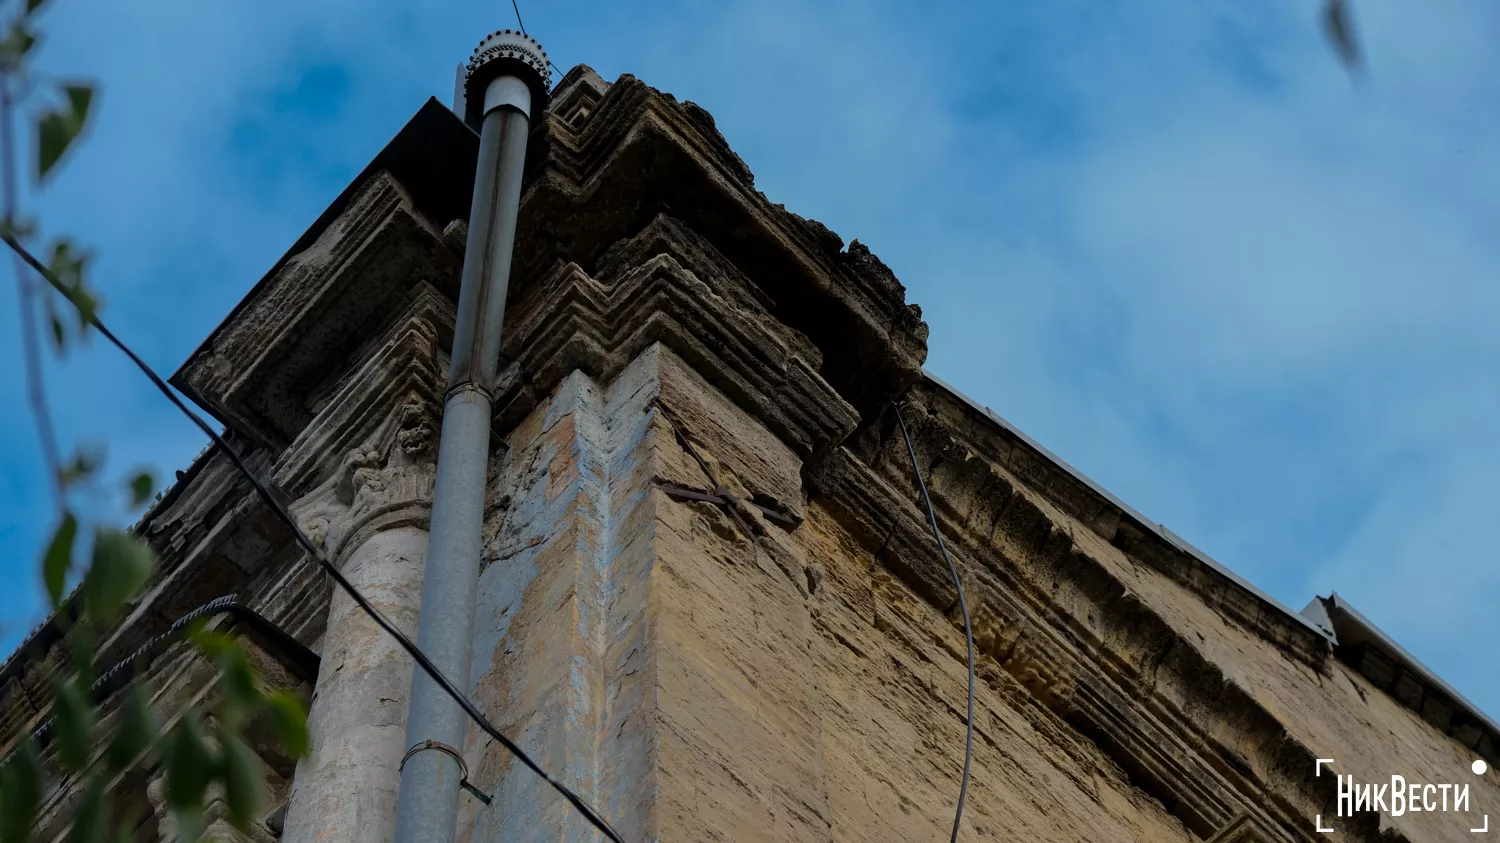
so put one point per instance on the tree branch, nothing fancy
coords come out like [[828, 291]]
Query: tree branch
[[36, 390]]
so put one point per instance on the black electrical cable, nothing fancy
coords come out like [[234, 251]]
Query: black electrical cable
[[317, 555], [515, 6], [963, 790]]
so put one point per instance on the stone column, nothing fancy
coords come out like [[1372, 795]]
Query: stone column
[[371, 517]]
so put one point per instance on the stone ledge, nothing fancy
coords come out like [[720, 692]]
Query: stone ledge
[[1101, 681], [572, 321], [1116, 523], [259, 370]]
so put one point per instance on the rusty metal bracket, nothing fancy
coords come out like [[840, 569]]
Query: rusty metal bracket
[[683, 493], [775, 517], [722, 498], [476, 792]]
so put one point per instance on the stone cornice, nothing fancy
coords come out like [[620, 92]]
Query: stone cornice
[[405, 366], [258, 370], [573, 321], [1121, 526], [637, 153], [1102, 687]]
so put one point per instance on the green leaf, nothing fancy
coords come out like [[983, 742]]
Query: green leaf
[[86, 461], [55, 132], [59, 558], [122, 565], [85, 303], [62, 256], [80, 646], [241, 690], [90, 814], [68, 266], [141, 487], [189, 824], [21, 785], [241, 771], [80, 96], [135, 727], [73, 723], [1338, 25], [16, 44], [211, 643], [33, 5], [288, 720], [187, 764], [59, 128], [59, 331]]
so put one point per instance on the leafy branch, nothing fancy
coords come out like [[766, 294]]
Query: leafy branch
[[199, 751]]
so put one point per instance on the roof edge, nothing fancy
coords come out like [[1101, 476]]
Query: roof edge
[[410, 158], [1354, 629], [1128, 512]]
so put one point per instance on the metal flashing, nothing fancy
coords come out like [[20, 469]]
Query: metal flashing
[[1160, 530]]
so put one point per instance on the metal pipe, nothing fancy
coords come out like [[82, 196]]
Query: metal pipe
[[507, 82]]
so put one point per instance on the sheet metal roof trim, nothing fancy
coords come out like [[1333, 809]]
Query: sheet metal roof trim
[[1338, 609], [1160, 530]]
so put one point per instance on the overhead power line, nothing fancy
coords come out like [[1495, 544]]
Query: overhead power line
[[515, 6], [963, 789], [432, 670], [522, 27]]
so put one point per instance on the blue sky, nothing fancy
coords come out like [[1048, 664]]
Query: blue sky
[[1174, 242]]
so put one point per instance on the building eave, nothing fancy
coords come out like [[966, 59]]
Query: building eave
[[1128, 512], [433, 156]]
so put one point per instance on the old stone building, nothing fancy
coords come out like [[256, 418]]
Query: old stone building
[[784, 662]]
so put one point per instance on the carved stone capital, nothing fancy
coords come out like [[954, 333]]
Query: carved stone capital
[[385, 482], [367, 461]]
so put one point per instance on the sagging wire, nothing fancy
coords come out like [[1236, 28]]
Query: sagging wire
[[432, 670], [522, 27], [963, 789], [517, 7]]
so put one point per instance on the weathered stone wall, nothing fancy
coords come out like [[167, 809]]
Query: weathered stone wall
[[710, 601], [1213, 710], [712, 676]]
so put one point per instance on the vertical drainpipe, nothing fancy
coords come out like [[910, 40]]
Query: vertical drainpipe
[[506, 84]]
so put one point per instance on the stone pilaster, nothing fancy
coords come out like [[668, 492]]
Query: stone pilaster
[[644, 648], [362, 475], [371, 517]]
